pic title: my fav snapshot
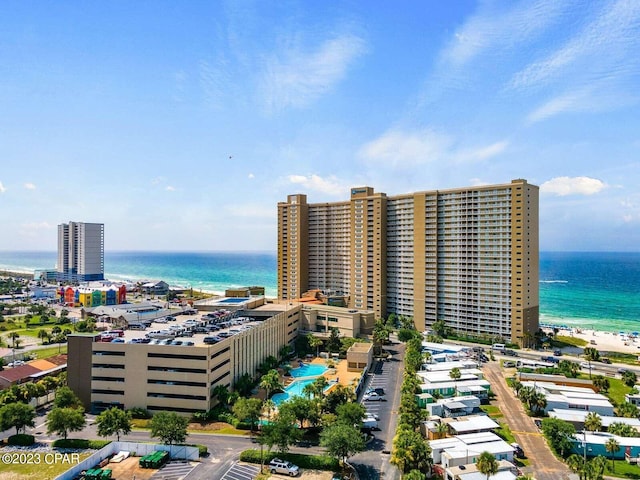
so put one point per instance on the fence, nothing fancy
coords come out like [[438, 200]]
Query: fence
[[137, 449]]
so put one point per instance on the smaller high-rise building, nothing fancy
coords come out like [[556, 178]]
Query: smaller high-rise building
[[80, 252]]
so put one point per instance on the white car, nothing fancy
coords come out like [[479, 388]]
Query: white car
[[373, 397], [586, 365], [282, 466]]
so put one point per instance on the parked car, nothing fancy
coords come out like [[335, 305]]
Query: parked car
[[605, 360], [557, 353], [282, 466], [622, 370], [508, 364], [373, 397], [517, 450], [379, 391], [511, 353], [586, 365]]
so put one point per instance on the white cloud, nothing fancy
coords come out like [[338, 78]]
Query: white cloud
[[169, 188], [29, 186], [563, 186], [330, 185], [2, 188], [397, 148], [604, 47], [251, 175], [405, 149], [490, 29], [482, 153], [296, 78]]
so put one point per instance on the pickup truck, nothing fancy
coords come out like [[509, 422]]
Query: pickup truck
[[550, 359]]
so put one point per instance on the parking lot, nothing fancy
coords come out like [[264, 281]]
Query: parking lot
[[241, 471]]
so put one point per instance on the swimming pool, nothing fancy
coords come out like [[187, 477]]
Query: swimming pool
[[294, 389], [308, 370], [233, 300]]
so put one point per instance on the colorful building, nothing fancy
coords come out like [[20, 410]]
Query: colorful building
[[93, 296]]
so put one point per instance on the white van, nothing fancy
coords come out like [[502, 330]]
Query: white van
[[498, 347]]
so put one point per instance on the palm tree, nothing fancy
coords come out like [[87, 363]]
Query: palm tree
[[270, 382], [42, 335], [539, 401], [576, 464], [14, 336], [455, 376], [314, 342], [612, 446], [591, 355], [593, 422], [487, 464], [442, 429]]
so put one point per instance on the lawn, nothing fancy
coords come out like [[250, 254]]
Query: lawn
[[49, 351], [623, 470], [491, 410], [617, 390], [562, 341], [48, 467], [628, 358]]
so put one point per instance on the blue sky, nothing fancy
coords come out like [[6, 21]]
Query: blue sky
[[180, 125]]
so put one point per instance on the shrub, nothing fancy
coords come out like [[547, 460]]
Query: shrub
[[316, 462], [139, 412], [203, 451], [21, 440], [80, 443]]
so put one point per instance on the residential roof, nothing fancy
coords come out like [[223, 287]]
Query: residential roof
[[12, 375], [578, 416], [474, 423], [494, 448], [42, 364], [600, 438]]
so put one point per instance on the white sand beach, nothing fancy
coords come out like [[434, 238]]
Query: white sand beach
[[603, 341]]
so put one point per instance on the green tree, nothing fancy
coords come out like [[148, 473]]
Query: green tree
[[113, 421], [487, 464], [612, 446], [303, 409], [455, 375], [351, 413], [440, 328], [169, 427], [248, 409], [591, 355], [316, 388], [18, 415], [593, 422], [410, 450], [281, 432], [380, 335], [221, 392], [270, 382], [415, 475], [622, 430], [576, 464], [342, 441], [601, 383], [314, 342], [243, 385], [560, 434], [62, 420], [14, 336], [629, 378], [337, 396], [628, 410], [333, 344], [65, 397], [42, 335]]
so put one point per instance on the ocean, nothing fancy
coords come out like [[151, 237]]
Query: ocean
[[599, 290]]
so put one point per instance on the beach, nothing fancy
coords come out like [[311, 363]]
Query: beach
[[602, 341]]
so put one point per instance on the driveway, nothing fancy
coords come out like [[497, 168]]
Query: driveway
[[543, 463]]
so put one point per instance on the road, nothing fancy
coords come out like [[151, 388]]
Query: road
[[544, 464], [373, 463]]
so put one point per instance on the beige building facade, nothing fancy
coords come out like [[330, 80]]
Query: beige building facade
[[169, 377], [468, 256]]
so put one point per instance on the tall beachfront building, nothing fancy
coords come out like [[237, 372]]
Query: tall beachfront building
[[80, 251], [468, 256]]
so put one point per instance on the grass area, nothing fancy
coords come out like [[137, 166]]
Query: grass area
[[561, 341], [617, 390], [491, 410], [214, 427], [622, 470], [48, 466], [505, 433], [49, 351], [627, 358]]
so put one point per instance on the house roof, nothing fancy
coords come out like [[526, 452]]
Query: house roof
[[12, 375]]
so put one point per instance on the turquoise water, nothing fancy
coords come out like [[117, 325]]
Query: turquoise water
[[308, 370], [292, 390], [598, 290]]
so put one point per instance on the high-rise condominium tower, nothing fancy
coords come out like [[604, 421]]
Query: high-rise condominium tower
[[468, 256], [80, 251]]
